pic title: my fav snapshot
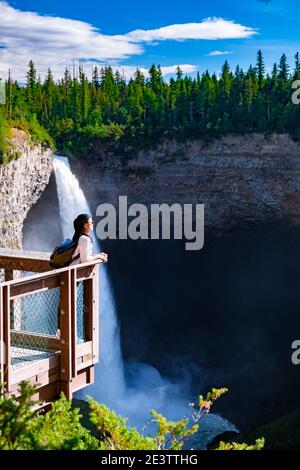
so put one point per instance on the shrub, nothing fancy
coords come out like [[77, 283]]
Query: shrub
[[61, 428]]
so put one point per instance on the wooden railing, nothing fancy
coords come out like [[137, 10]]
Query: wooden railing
[[69, 365]]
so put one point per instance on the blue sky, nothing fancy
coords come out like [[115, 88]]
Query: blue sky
[[194, 34]]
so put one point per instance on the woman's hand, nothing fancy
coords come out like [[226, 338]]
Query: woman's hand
[[103, 257]]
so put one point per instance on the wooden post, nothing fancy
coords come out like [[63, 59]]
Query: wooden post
[[91, 321], [74, 321], [96, 312], [8, 276], [6, 337], [65, 334]]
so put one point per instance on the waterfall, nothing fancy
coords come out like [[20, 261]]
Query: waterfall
[[72, 202], [145, 388]]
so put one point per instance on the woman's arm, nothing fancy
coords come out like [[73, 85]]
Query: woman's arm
[[85, 250], [102, 256]]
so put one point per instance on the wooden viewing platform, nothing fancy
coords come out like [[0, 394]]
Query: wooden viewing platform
[[49, 324]]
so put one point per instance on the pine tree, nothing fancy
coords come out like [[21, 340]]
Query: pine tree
[[283, 68], [67, 103], [275, 72], [155, 78], [49, 96], [31, 87], [260, 69], [297, 66], [96, 80], [84, 96], [179, 73]]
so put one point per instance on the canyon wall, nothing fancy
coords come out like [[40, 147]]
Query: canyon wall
[[22, 182], [240, 179]]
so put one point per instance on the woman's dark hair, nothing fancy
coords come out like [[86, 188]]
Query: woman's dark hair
[[78, 223]]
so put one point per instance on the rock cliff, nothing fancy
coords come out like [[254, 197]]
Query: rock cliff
[[240, 179], [22, 181]]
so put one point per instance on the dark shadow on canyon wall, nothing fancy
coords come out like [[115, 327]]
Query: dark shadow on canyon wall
[[225, 316], [42, 227]]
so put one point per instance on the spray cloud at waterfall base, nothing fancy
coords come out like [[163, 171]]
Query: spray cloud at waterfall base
[[133, 389]]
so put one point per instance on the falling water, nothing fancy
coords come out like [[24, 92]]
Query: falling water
[[145, 388], [72, 202]]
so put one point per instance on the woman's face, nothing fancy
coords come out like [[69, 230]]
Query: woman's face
[[88, 226]]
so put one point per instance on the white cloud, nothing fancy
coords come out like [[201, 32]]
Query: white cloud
[[216, 53], [56, 42], [210, 29]]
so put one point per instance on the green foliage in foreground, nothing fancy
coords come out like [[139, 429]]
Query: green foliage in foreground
[[21, 428]]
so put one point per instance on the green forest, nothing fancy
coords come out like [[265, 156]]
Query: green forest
[[78, 111]]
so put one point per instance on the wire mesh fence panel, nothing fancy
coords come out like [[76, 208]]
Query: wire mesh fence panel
[[82, 312], [34, 321]]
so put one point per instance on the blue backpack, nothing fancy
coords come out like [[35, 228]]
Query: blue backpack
[[62, 254]]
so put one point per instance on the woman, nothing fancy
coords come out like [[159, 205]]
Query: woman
[[83, 225]]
